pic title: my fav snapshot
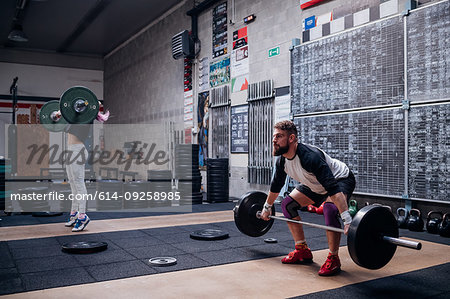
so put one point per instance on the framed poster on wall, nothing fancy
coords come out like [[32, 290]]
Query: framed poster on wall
[[239, 129]]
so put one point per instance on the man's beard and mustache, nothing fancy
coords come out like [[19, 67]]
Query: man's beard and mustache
[[280, 150]]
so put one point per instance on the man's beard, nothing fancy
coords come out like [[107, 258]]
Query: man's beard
[[281, 150]]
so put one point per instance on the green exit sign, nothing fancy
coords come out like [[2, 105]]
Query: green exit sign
[[274, 52]]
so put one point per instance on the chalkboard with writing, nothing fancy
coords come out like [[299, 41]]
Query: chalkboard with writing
[[429, 53], [429, 152], [397, 115], [371, 143], [362, 67]]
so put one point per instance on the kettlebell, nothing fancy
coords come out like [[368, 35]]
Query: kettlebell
[[433, 222], [352, 207], [444, 226], [388, 207], [415, 222], [401, 219]]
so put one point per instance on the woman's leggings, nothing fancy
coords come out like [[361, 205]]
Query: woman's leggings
[[75, 173]]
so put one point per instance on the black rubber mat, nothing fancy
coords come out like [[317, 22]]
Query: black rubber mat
[[35, 264]]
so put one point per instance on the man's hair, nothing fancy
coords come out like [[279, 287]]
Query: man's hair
[[288, 126]]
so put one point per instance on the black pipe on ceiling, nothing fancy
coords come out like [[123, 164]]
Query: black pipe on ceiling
[[195, 12], [85, 22]]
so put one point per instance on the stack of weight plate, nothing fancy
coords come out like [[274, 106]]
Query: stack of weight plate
[[135, 195], [217, 177], [62, 191], [65, 205], [36, 202], [188, 174], [160, 181], [109, 195], [5, 169]]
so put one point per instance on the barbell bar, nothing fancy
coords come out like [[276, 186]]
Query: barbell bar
[[372, 237], [392, 240]]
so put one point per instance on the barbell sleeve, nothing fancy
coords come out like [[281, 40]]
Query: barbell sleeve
[[403, 243], [392, 240]]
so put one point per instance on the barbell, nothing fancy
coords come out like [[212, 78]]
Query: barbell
[[372, 237], [77, 105]]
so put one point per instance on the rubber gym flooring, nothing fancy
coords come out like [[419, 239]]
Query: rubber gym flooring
[[32, 264]]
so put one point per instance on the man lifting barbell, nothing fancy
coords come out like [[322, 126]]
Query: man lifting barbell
[[321, 178]]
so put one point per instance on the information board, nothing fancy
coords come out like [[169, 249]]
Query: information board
[[239, 129], [362, 67], [429, 152], [429, 53], [371, 143]]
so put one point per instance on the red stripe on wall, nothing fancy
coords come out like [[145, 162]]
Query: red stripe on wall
[[9, 105], [309, 3]]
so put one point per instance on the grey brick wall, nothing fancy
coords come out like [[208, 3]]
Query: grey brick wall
[[144, 84]]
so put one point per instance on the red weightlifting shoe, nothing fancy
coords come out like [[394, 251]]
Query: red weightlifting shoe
[[312, 209], [302, 254], [332, 266], [319, 210]]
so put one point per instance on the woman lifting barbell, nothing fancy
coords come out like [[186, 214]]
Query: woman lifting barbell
[[321, 178], [76, 137]]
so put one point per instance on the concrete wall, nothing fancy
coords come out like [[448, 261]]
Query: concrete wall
[[42, 81], [143, 83], [48, 81]]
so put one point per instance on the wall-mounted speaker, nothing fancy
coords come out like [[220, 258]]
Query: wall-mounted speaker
[[183, 45]]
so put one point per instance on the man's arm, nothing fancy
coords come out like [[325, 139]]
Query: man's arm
[[340, 202], [271, 198], [266, 211]]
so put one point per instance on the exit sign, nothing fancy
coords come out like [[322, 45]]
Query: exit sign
[[274, 52]]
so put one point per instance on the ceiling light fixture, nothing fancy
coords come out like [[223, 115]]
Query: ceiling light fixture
[[17, 34]]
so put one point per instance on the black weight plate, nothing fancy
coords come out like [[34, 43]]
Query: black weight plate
[[271, 240], [245, 214], [84, 247], [364, 240], [46, 120], [46, 214], [217, 191], [162, 261], [67, 105], [215, 161], [209, 234], [223, 197]]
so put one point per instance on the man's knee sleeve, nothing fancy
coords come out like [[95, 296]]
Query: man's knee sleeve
[[331, 213], [290, 207]]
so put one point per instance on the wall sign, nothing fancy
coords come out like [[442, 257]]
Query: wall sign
[[239, 129], [220, 38]]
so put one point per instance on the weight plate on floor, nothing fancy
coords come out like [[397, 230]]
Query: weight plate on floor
[[365, 245], [45, 117], [162, 261], [84, 247], [271, 240], [79, 105], [209, 234]]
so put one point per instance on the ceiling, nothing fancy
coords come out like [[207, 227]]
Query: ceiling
[[81, 27]]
